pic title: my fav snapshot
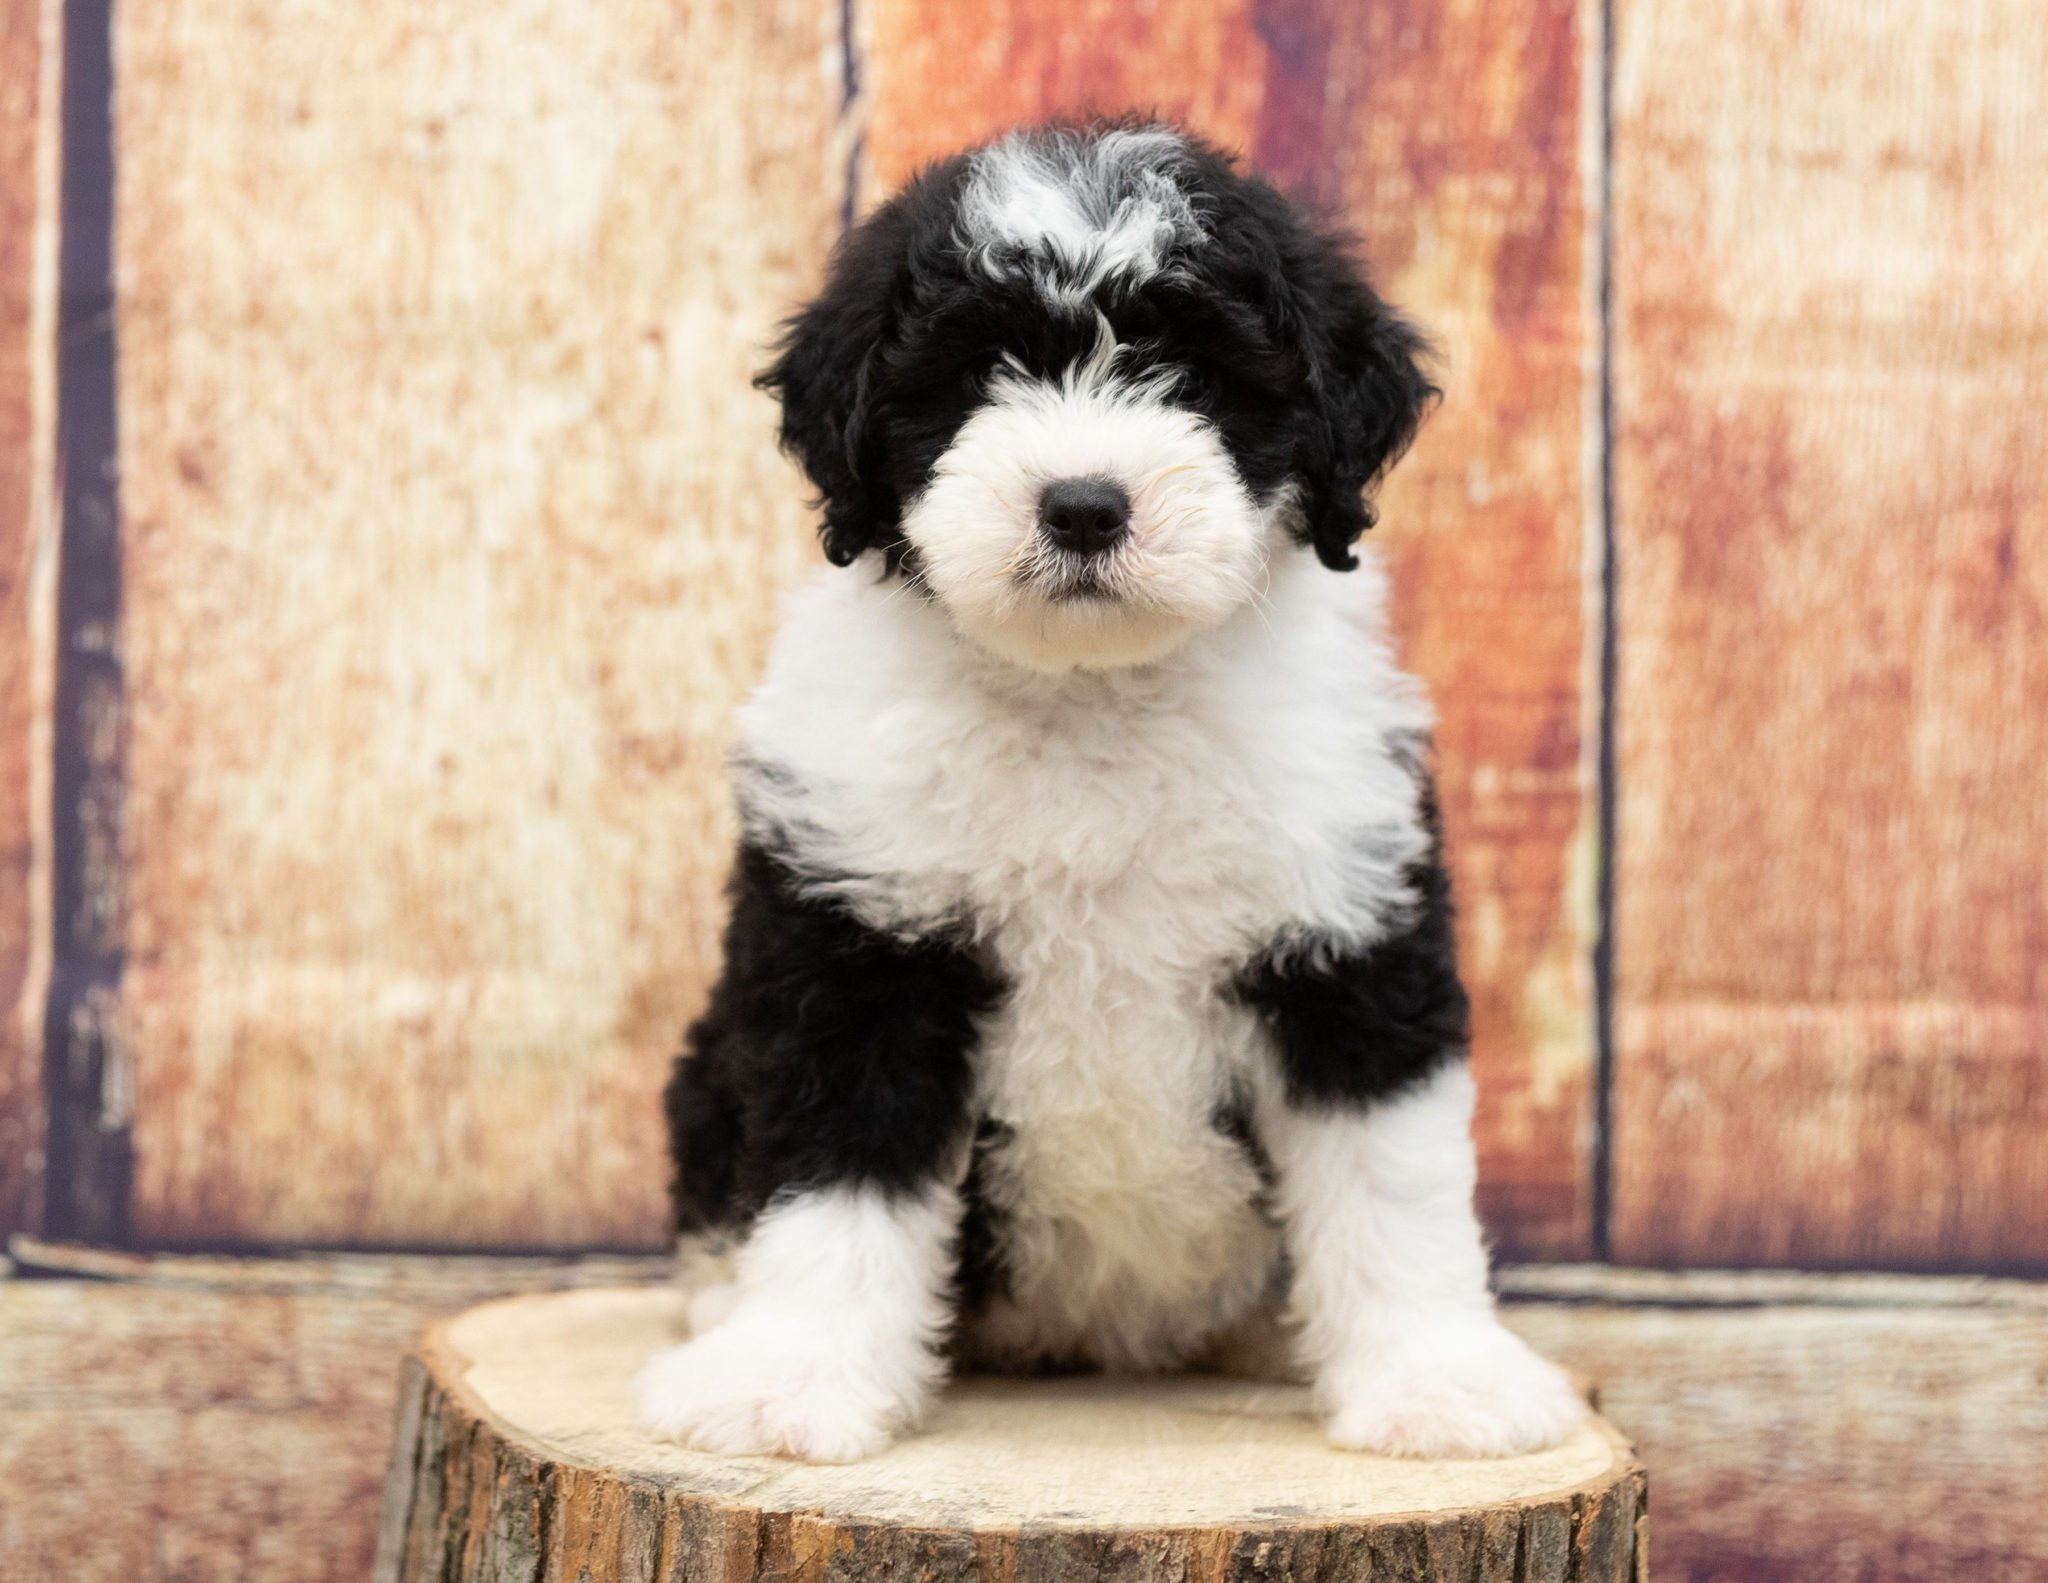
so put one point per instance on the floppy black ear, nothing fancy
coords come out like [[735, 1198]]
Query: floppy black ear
[[825, 376], [1366, 367], [1375, 394]]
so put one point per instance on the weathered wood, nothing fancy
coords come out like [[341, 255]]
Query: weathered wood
[[1773, 1289], [518, 1457], [1832, 506], [428, 1280], [188, 1434], [938, 77], [1455, 147], [452, 533], [1860, 1433], [23, 115], [1452, 141], [198, 1419]]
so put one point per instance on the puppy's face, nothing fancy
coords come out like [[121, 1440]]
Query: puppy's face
[[1078, 387]]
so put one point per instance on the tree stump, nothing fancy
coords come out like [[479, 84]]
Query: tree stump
[[518, 1457]]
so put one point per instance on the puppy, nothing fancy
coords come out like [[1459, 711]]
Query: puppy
[[1089, 996]]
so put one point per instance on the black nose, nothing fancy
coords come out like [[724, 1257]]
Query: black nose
[[1085, 515]]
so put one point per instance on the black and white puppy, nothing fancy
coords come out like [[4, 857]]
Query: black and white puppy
[[1089, 995]]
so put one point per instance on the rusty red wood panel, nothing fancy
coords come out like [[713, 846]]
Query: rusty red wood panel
[[1450, 140], [21, 1124], [937, 77], [1831, 366], [451, 532]]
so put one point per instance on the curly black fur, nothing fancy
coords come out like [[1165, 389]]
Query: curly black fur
[[1354, 1027], [831, 1054]]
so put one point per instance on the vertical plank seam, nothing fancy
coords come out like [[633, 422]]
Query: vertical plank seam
[[849, 103], [86, 1073], [1603, 944]]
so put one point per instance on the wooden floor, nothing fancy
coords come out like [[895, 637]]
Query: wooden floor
[[200, 1418]]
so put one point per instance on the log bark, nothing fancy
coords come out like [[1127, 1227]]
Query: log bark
[[516, 1457]]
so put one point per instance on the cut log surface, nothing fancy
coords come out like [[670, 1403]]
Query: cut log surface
[[517, 1457]]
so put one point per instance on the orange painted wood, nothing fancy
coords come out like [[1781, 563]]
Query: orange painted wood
[[452, 533], [1450, 141], [1831, 361], [21, 1056], [937, 77]]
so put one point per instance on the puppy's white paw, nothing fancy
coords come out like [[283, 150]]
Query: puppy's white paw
[[1463, 1387], [752, 1386]]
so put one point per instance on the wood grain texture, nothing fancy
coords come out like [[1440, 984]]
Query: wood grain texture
[[518, 1458], [429, 1282], [197, 1424], [1846, 1433], [1831, 385], [1450, 140], [21, 119], [937, 77], [451, 535]]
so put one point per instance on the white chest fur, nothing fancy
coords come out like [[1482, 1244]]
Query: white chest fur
[[1120, 843]]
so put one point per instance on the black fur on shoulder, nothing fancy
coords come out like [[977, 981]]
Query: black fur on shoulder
[[1269, 328], [1356, 1027], [831, 1053]]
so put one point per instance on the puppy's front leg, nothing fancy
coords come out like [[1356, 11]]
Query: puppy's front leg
[[1368, 1124], [820, 1118], [829, 1342], [1397, 1325]]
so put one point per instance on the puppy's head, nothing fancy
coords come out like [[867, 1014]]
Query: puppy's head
[[1080, 384]]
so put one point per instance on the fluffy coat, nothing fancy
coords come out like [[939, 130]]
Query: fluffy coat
[[1090, 995]]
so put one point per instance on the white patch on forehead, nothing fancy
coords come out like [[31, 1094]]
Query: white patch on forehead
[[1077, 209]]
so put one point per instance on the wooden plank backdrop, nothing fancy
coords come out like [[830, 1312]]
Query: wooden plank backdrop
[[1803, 1429], [1831, 392], [449, 533], [21, 1110], [1450, 143], [450, 536], [199, 1419], [361, 770]]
